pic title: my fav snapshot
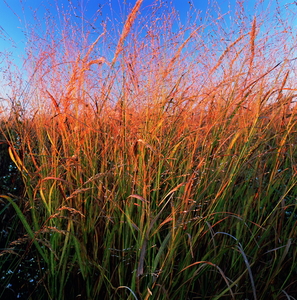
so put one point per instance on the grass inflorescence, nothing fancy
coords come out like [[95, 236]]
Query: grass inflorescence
[[164, 168]]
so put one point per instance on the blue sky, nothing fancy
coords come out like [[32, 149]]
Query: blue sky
[[16, 16]]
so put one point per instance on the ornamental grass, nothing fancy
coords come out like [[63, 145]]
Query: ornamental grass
[[157, 161]]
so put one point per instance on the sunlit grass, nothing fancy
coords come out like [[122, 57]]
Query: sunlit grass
[[164, 171]]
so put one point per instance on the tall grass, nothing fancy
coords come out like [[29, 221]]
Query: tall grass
[[161, 166]]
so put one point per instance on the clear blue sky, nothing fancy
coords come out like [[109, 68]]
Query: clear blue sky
[[17, 15], [14, 16]]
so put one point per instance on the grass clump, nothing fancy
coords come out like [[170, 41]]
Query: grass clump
[[164, 168]]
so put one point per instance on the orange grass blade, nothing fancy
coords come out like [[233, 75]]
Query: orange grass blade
[[126, 29]]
